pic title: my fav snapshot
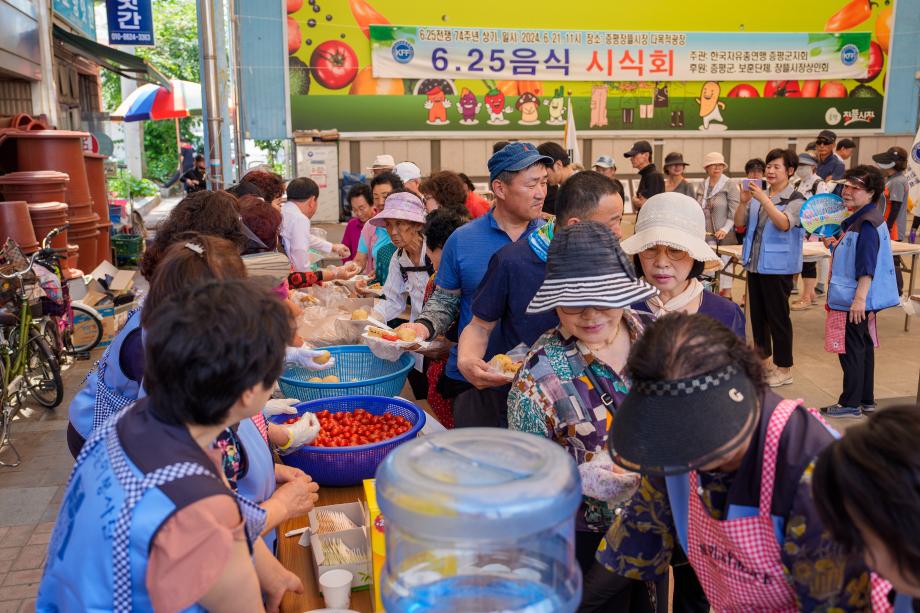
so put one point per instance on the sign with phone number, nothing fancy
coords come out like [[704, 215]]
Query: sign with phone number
[[414, 52]]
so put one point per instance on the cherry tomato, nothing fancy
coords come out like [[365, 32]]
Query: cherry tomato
[[334, 64]]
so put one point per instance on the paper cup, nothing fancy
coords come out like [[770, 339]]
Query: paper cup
[[336, 588]]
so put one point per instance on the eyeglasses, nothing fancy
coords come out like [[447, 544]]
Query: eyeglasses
[[580, 310], [673, 253]]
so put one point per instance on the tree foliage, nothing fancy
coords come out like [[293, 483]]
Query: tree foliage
[[176, 56]]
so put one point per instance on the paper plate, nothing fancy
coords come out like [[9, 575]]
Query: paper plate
[[822, 214]]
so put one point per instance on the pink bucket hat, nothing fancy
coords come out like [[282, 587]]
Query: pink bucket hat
[[401, 205]]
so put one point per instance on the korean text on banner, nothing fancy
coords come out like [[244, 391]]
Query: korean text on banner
[[130, 22]]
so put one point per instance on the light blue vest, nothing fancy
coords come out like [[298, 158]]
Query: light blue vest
[[780, 252], [883, 291], [98, 553], [107, 389], [259, 482]]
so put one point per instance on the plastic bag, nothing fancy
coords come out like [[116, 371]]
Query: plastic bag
[[517, 356], [603, 480]]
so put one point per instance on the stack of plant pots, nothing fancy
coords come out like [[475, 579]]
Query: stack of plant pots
[[95, 172], [45, 192], [16, 224], [62, 151]]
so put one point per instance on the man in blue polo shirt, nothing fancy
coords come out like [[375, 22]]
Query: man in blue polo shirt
[[517, 174], [830, 167], [500, 321]]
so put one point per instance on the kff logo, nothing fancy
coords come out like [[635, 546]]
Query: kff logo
[[849, 54], [403, 51]]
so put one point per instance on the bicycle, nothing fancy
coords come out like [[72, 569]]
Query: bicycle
[[28, 367], [71, 328]]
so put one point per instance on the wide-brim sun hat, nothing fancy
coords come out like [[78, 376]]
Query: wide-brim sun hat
[[713, 158], [674, 159], [673, 427], [674, 220], [585, 267], [401, 205]]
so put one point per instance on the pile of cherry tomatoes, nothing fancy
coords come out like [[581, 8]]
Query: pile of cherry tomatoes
[[349, 429]]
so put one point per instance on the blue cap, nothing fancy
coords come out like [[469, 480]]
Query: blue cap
[[807, 159], [513, 157]]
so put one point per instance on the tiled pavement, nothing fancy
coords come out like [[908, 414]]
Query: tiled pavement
[[30, 495]]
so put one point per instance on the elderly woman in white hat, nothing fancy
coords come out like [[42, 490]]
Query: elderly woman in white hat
[[719, 196], [671, 252], [403, 216]]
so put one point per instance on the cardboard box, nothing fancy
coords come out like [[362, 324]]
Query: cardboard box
[[375, 527], [105, 275], [113, 319], [355, 539], [355, 511]]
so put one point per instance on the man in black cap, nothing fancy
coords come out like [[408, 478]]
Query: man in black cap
[[195, 180], [830, 167], [651, 181]]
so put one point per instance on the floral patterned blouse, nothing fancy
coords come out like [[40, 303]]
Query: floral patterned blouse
[[553, 397]]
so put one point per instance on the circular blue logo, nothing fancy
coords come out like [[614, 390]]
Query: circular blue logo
[[915, 152], [403, 51], [849, 54]]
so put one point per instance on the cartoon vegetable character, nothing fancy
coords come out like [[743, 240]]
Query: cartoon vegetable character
[[851, 15], [495, 102], [710, 106], [528, 105], [437, 105], [468, 106], [366, 16], [556, 107]]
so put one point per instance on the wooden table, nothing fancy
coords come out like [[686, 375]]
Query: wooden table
[[904, 250], [297, 559]]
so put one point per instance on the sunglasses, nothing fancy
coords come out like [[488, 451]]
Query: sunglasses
[[675, 255], [823, 141]]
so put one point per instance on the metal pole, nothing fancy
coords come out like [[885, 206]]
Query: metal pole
[[208, 37], [239, 135]]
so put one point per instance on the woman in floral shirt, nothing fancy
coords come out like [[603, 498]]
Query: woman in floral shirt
[[572, 377]]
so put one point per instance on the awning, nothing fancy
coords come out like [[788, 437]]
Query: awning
[[122, 63]]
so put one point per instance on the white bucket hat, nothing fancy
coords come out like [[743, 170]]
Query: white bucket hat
[[674, 220], [382, 161], [713, 158]]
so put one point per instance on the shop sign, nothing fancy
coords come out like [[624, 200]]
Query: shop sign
[[79, 14], [130, 22]]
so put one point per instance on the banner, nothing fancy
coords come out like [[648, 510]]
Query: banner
[[708, 66], [411, 52], [130, 22], [79, 14]]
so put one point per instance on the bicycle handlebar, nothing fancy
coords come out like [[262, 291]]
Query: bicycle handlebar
[[46, 242]]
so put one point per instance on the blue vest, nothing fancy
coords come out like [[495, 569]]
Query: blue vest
[[883, 291], [780, 252], [903, 604], [106, 389], [258, 484], [112, 510]]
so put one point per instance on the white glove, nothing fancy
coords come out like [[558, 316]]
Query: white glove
[[302, 432], [305, 357], [279, 406]]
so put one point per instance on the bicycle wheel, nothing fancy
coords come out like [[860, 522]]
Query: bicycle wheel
[[43, 375], [8, 411], [87, 328]]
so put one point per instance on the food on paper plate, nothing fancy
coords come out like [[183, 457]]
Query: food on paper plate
[[359, 315], [322, 357], [375, 332], [406, 334], [505, 365], [330, 379]]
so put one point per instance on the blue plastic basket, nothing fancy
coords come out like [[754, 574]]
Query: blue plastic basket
[[360, 373], [341, 466]]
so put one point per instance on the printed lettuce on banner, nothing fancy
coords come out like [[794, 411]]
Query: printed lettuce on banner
[[471, 67]]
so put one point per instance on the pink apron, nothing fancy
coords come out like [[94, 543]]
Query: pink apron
[[738, 561]]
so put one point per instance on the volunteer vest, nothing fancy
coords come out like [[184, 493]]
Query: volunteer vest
[[258, 483], [106, 389], [780, 252], [883, 291], [113, 509]]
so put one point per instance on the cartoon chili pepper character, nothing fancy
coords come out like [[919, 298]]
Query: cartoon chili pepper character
[[556, 108], [495, 102], [469, 107], [528, 105], [711, 106], [437, 105]]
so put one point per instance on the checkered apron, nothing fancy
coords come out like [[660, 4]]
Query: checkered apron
[[738, 561], [135, 487], [107, 402]]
